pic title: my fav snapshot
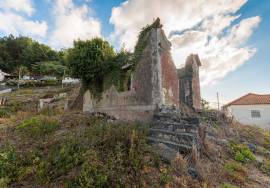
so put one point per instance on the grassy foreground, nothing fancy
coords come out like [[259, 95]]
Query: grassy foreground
[[53, 148]]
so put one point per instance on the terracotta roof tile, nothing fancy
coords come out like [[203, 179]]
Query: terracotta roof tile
[[251, 98]]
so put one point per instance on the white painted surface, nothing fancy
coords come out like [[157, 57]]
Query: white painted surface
[[242, 113], [2, 75], [69, 80]]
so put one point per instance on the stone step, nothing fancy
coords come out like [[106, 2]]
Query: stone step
[[183, 137], [175, 127], [164, 151], [181, 148], [175, 118]]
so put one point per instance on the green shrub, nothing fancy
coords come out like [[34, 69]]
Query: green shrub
[[241, 153], [91, 175], [8, 165], [265, 167], [59, 161], [38, 126], [165, 177], [5, 112]]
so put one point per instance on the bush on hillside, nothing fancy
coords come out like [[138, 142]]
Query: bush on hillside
[[38, 126], [241, 153]]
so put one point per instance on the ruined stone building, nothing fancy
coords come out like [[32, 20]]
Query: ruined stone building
[[155, 82], [189, 82]]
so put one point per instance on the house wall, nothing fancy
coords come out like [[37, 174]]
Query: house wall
[[242, 113]]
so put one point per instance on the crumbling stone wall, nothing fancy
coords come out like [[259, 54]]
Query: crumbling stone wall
[[155, 83], [189, 83]]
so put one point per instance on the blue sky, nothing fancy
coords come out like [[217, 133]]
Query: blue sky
[[232, 38]]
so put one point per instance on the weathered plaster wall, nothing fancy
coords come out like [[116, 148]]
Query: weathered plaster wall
[[170, 82], [154, 83], [196, 91], [189, 83], [142, 77], [121, 105]]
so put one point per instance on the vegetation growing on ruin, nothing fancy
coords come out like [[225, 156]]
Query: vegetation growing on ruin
[[141, 43]]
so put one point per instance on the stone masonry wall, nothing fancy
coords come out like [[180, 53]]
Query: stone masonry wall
[[154, 83]]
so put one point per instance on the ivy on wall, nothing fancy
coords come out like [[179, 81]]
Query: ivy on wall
[[99, 67]]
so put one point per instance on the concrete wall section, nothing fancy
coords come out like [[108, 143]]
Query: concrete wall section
[[122, 106]]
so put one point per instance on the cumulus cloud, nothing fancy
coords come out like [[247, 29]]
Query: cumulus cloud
[[73, 22], [13, 22], [210, 28], [24, 6]]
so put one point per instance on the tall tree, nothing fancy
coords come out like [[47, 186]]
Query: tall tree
[[17, 51], [88, 60]]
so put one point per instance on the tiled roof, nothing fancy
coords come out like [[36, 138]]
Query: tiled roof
[[251, 98]]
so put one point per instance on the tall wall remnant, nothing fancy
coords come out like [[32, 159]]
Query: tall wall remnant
[[154, 83], [189, 82]]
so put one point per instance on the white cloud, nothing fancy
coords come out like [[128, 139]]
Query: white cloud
[[12, 23], [24, 6], [73, 22], [206, 27]]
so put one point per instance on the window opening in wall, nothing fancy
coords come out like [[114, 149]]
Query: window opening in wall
[[255, 114]]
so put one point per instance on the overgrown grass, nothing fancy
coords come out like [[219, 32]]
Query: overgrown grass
[[98, 155], [5, 112], [38, 126], [265, 166], [236, 172]]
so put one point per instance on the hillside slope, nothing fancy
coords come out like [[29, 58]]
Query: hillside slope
[[57, 148]]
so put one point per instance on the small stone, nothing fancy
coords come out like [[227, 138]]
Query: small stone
[[192, 172]]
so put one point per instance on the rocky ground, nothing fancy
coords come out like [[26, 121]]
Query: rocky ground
[[52, 147]]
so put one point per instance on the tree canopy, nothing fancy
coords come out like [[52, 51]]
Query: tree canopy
[[90, 61], [49, 68], [23, 51]]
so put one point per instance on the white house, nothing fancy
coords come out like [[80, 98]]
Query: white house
[[251, 109]]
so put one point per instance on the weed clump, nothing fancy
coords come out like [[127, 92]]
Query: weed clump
[[235, 171], [5, 112], [241, 153], [38, 126], [265, 166]]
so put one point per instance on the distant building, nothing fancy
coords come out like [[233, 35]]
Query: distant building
[[46, 78], [27, 77], [251, 109], [3, 75], [69, 80]]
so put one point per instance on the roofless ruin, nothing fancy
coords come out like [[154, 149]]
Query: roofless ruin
[[154, 83]]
